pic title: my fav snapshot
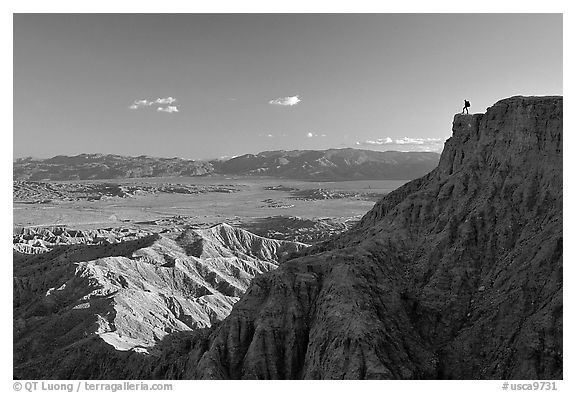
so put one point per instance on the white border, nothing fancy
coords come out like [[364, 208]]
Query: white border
[[357, 6]]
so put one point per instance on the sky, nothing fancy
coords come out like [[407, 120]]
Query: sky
[[202, 86]]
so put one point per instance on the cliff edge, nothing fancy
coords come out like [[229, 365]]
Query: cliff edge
[[457, 274]]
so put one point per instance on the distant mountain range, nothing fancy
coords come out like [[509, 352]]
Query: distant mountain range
[[106, 166], [322, 165], [332, 164]]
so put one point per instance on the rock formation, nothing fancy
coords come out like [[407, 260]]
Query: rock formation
[[129, 293], [43, 239]]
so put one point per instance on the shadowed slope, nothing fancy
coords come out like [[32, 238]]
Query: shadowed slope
[[129, 294]]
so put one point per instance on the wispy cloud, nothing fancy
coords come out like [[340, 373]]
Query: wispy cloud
[[271, 135], [405, 143], [417, 141], [377, 142], [314, 135], [286, 101], [164, 101], [168, 109], [138, 104]]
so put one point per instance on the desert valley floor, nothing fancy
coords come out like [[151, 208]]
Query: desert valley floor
[[161, 255], [273, 207]]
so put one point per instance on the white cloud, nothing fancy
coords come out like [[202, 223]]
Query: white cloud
[[137, 104], [380, 141], [286, 101], [314, 135], [416, 141], [273, 135], [168, 109], [164, 101], [405, 143], [140, 104]]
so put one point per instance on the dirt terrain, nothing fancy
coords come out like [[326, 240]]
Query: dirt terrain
[[300, 229], [167, 204], [45, 192]]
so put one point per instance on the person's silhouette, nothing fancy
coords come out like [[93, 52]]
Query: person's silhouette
[[466, 106]]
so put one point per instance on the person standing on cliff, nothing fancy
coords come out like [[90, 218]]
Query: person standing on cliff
[[466, 106]]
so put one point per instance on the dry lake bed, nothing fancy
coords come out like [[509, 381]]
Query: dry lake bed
[[279, 208]]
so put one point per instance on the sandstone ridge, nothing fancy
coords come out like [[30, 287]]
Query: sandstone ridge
[[80, 290]]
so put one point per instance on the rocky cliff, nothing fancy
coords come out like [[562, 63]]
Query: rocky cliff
[[455, 275]]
